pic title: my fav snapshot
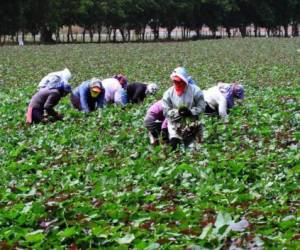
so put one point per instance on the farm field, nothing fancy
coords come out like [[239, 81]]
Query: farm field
[[94, 182]]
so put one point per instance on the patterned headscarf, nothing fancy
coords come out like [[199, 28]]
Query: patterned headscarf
[[151, 88], [122, 79], [231, 91]]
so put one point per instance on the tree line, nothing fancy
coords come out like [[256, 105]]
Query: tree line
[[46, 17]]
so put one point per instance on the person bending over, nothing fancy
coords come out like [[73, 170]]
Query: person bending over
[[182, 105], [220, 98], [156, 123], [44, 101], [115, 90], [137, 92], [88, 96]]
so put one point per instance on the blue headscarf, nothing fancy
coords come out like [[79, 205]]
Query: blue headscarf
[[183, 74], [233, 91]]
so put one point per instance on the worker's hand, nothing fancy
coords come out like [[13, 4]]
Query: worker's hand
[[184, 112]]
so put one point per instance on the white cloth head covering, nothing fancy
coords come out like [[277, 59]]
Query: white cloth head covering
[[181, 73], [151, 88], [54, 78]]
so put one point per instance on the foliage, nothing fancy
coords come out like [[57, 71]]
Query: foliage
[[47, 16], [93, 182]]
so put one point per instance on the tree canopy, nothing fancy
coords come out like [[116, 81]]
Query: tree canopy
[[47, 17]]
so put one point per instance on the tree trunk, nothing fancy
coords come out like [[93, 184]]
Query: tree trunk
[[72, 37], [228, 31], [122, 34], [91, 35], [23, 36], [128, 35], [143, 33], [114, 35], [295, 31], [2, 40], [286, 30], [156, 33], [46, 35], [99, 33], [83, 35], [243, 32], [198, 33], [213, 31], [255, 30], [109, 31], [70, 34], [183, 33], [169, 31], [57, 35]]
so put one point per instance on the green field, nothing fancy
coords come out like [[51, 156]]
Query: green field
[[93, 182]]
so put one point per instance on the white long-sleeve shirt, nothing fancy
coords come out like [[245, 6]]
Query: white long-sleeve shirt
[[216, 100], [114, 93]]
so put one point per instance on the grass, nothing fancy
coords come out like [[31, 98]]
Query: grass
[[94, 182]]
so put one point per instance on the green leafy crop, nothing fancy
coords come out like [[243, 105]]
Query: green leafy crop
[[94, 182]]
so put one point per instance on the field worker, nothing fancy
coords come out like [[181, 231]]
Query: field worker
[[136, 92], [182, 104], [156, 123], [220, 98], [45, 100], [115, 90], [55, 78], [88, 96], [182, 71]]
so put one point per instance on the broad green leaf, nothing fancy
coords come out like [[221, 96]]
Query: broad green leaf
[[35, 236], [206, 231], [127, 239]]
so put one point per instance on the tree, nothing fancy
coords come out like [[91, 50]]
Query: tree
[[10, 14]]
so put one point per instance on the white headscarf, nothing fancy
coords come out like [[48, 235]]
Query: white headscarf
[[55, 78], [151, 88]]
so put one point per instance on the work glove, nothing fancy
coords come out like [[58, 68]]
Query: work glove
[[184, 112]]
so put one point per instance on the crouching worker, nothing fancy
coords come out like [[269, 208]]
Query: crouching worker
[[88, 96], [220, 98], [115, 90], [137, 92], [45, 100], [156, 124], [182, 104]]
